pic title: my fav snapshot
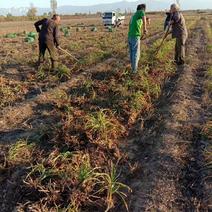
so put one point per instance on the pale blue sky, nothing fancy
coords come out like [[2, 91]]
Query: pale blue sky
[[45, 3]]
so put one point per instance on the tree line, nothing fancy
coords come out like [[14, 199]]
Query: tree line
[[32, 11]]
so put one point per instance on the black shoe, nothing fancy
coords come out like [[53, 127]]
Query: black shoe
[[181, 62], [37, 64]]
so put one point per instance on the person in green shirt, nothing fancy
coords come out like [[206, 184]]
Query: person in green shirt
[[138, 20]]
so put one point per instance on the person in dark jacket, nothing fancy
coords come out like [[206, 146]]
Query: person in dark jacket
[[167, 21], [48, 38], [179, 32]]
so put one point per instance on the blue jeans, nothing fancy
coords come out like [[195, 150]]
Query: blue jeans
[[134, 48]]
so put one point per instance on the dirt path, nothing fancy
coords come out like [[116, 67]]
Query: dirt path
[[169, 149]]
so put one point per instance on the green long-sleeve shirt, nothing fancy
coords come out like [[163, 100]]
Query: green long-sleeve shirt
[[136, 23]]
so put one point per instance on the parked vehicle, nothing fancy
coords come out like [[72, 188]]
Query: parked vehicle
[[112, 19]]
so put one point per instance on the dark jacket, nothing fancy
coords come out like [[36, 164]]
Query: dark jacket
[[48, 31], [179, 28], [168, 19]]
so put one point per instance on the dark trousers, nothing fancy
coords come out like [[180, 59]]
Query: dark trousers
[[47, 45], [180, 48]]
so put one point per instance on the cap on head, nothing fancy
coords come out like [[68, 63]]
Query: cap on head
[[141, 7], [175, 7]]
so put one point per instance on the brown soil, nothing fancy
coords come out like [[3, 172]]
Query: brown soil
[[169, 148], [23, 119]]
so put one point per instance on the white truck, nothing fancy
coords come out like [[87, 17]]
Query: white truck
[[112, 19]]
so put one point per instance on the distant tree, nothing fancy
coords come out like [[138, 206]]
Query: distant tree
[[53, 6], [9, 15], [99, 13], [32, 12], [50, 14]]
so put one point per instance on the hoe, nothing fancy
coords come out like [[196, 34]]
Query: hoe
[[163, 40], [68, 53]]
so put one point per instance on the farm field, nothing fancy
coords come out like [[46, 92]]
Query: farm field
[[93, 137]]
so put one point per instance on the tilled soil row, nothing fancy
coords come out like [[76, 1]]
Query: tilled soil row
[[15, 124], [169, 149], [23, 73], [14, 120]]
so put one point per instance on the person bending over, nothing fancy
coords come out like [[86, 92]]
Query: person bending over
[[179, 32], [48, 38]]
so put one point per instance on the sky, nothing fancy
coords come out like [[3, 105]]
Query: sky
[[45, 3]]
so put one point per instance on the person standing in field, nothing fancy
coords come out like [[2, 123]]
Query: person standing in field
[[167, 21], [179, 32], [137, 22], [48, 38]]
